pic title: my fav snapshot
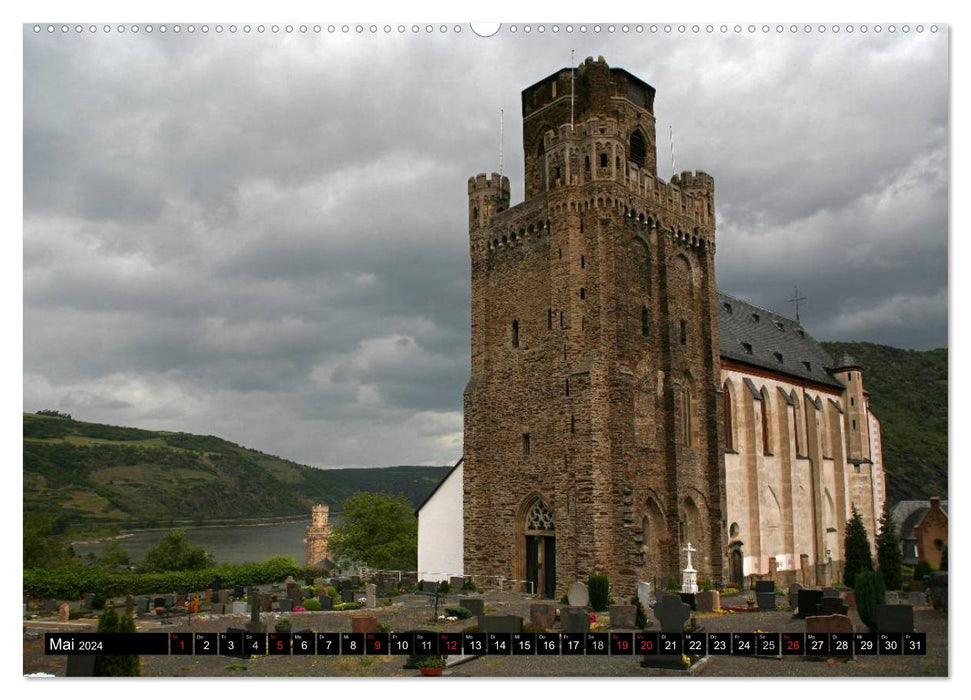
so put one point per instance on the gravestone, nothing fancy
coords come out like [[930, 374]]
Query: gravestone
[[355, 581], [672, 613], [308, 593], [371, 591], [158, 602], [644, 593], [80, 665], [288, 580], [829, 624], [573, 619], [833, 606], [578, 595], [623, 616], [266, 603], [326, 602], [207, 594], [255, 625], [892, 598], [362, 624], [49, 605], [347, 595], [895, 618], [217, 609], [918, 598], [409, 579], [456, 582], [541, 615], [88, 599], [239, 607], [709, 601], [474, 605], [64, 613], [170, 600], [689, 600], [765, 587], [217, 583], [222, 596], [429, 586], [500, 624], [386, 583], [238, 592], [831, 593], [142, 604], [308, 582], [765, 601], [794, 595], [809, 600], [286, 604], [294, 592], [181, 599]]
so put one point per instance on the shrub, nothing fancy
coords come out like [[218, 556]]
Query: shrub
[[889, 556], [856, 545], [944, 559], [921, 570], [311, 604], [869, 591], [282, 626], [347, 606], [444, 588], [468, 585], [565, 599], [116, 665], [331, 592], [641, 621], [672, 586], [459, 612], [599, 587]]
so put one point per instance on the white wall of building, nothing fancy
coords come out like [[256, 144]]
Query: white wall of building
[[440, 531]]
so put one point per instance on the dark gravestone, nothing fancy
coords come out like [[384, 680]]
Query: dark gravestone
[[474, 605], [347, 595], [672, 613], [409, 579], [895, 618], [286, 605], [794, 595], [765, 587], [238, 592], [830, 593], [355, 581], [326, 602], [543, 615], [833, 606], [766, 601], [809, 600], [222, 596], [142, 604], [80, 666], [709, 601], [689, 600], [456, 582], [573, 619], [498, 624], [217, 583], [217, 609], [429, 586], [158, 602], [308, 582], [294, 592], [308, 593], [266, 603]]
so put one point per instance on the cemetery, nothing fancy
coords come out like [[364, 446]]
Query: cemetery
[[385, 602]]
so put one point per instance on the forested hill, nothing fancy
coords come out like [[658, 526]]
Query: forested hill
[[908, 393], [93, 473]]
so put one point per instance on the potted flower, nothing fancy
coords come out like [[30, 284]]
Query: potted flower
[[431, 665]]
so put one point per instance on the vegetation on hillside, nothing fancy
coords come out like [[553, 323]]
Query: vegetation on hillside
[[908, 394], [87, 474]]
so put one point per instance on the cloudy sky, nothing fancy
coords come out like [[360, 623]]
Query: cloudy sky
[[263, 237]]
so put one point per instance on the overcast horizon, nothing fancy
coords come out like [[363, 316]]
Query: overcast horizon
[[264, 237]]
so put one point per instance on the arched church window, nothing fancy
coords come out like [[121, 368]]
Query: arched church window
[[638, 148], [766, 445], [727, 418], [539, 517], [541, 165], [645, 322], [686, 415]]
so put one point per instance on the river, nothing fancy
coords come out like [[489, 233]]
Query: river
[[229, 544]]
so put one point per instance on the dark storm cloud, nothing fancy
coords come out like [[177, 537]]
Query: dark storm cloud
[[264, 237]]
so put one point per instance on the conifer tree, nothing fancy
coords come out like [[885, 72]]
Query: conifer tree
[[889, 556], [856, 545]]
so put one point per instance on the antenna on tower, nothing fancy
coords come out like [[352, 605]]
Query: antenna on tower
[[572, 71], [796, 299], [500, 146], [671, 132]]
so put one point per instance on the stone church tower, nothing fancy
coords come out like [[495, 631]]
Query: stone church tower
[[318, 535], [592, 414]]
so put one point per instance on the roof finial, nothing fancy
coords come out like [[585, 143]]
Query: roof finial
[[796, 299]]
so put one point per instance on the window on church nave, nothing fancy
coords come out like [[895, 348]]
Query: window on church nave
[[729, 429], [766, 444]]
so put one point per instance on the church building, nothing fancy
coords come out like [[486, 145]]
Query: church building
[[619, 407]]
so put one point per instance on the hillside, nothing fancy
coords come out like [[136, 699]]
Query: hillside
[[95, 473], [908, 393]]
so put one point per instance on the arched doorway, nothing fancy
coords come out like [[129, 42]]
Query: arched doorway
[[539, 539], [736, 572]]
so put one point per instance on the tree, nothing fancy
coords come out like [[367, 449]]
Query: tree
[[116, 664], [378, 530], [113, 556], [46, 542], [175, 553], [869, 591], [856, 545], [889, 556]]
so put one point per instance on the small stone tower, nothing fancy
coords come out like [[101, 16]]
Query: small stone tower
[[592, 413], [318, 535]]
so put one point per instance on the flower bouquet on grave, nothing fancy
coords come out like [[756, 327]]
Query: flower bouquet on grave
[[431, 665]]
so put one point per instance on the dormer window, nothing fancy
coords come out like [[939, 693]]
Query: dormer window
[[747, 347], [778, 357], [779, 325], [756, 318], [727, 307], [809, 367]]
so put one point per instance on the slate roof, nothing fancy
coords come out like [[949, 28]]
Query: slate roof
[[758, 337]]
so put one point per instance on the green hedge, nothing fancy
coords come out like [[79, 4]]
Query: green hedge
[[72, 583]]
